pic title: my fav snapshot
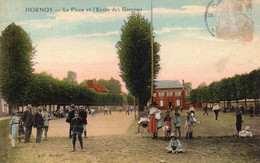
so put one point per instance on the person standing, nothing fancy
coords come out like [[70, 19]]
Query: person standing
[[239, 121], [153, 125], [168, 119], [110, 110], [70, 117], [251, 110], [14, 127], [105, 110], [38, 123], [46, 117], [189, 126], [216, 109], [242, 109], [28, 123], [77, 129], [177, 122], [20, 128], [205, 110], [127, 110], [83, 115], [120, 109]]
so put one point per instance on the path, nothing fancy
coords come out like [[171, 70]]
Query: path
[[3, 118], [101, 124]]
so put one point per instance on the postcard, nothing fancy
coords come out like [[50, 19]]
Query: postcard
[[82, 41]]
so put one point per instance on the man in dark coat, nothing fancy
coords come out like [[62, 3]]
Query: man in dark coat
[[77, 129], [239, 120], [83, 115], [251, 110], [27, 119], [70, 117], [38, 122], [205, 110]]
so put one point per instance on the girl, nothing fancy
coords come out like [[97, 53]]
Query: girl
[[177, 122], [14, 127], [189, 126], [167, 119]]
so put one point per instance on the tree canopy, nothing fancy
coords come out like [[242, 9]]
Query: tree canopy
[[239, 87], [134, 53], [16, 54]]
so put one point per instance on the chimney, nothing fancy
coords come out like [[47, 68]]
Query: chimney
[[90, 84], [183, 83]]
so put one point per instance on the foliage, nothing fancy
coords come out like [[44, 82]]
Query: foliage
[[236, 88], [71, 77], [15, 64], [134, 53]]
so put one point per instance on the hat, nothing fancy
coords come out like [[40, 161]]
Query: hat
[[173, 135], [39, 108], [72, 105], [29, 106], [247, 128]]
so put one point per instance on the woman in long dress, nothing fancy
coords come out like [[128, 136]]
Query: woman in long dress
[[153, 125], [14, 122]]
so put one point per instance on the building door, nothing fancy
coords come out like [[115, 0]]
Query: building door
[[170, 104]]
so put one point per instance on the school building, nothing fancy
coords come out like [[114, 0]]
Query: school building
[[169, 93]]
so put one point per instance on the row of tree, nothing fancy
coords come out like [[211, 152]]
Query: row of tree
[[20, 86], [239, 87]]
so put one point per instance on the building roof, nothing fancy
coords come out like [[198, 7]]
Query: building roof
[[168, 84], [98, 87]]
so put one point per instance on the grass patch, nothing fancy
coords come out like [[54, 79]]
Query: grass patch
[[214, 142]]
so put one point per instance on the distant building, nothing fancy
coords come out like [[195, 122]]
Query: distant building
[[96, 87], [169, 93], [3, 106]]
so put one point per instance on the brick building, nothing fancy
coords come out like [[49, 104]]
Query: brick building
[[169, 93]]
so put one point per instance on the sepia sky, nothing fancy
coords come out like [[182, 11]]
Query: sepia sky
[[84, 42]]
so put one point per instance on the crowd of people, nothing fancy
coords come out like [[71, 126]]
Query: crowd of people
[[77, 118], [154, 121], [23, 123]]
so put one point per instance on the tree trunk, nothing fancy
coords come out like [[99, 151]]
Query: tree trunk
[[224, 104], [134, 106], [245, 104]]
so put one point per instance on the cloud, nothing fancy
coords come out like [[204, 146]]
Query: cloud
[[94, 35], [168, 30], [199, 59]]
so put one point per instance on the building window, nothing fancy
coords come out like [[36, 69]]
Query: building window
[[154, 94], [161, 94], [161, 103], [177, 93], [169, 93], [178, 102]]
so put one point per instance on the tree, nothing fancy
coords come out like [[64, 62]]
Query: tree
[[71, 77], [134, 53], [16, 54]]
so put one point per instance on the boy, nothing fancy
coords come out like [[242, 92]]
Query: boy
[[77, 129], [177, 122], [174, 145]]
